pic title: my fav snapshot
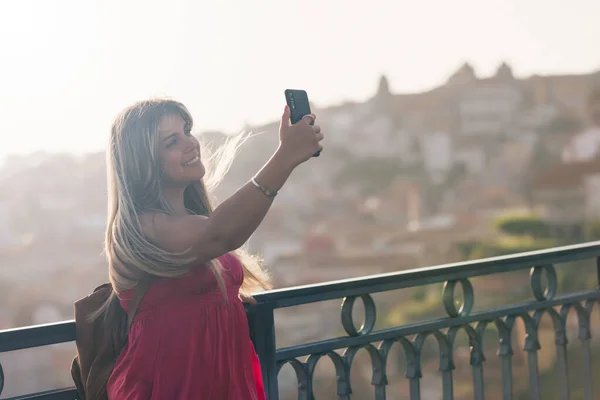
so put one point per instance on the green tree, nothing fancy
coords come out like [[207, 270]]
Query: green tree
[[593, 230], [523, 225]]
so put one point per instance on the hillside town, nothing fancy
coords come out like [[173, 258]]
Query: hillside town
[[406, 180]]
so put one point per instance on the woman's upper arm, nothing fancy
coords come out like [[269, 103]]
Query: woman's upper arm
[[180, 234]]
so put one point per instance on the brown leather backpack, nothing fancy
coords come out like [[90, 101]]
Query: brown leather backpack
[[100, 341]]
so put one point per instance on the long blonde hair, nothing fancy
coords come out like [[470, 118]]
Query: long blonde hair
[[134, 187]]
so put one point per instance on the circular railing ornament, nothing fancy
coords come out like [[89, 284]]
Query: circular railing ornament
[[536, 275], [370, 315], [1, 379], [302, 375], [450, 303]]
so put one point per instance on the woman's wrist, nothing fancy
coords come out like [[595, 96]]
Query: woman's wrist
[[275, 172], [283, 160]]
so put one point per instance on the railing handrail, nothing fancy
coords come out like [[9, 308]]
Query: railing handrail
[[286, 297], [262, 322], [37, 335], [61, 332]]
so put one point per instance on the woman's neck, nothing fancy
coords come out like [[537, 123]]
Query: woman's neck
[[175, 195]]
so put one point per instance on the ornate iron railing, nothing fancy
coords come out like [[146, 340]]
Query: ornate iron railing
[[410, 338]]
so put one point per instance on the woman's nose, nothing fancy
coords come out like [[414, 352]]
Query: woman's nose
[[190, 145]]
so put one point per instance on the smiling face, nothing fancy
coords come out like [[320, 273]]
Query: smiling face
[[179, 152]]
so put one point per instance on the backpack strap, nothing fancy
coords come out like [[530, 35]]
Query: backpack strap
[[140, 291]]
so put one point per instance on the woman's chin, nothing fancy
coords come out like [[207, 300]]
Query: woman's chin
[[197, 173], [201, 172]]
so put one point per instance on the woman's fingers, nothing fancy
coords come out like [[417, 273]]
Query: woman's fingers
[[247, 299], [310, 119]]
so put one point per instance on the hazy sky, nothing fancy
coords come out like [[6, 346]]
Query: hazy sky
[[68, 66]]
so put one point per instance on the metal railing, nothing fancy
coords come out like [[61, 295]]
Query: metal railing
[[410, 338]]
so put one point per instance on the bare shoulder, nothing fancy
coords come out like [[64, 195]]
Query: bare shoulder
[[172, 232], [147, 220], [195, 234], [157, 223]]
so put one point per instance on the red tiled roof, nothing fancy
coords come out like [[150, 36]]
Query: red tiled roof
[[566, 175]]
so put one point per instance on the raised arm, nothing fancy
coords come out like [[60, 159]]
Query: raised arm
[[232, 223]]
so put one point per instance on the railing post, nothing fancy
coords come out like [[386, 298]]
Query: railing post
[[262, 332], [598, 271]]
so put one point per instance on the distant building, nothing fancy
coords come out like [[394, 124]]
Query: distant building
[[7, 234], [586, 145], [583, 146], [490, 107], [569, 194], [436, 148]]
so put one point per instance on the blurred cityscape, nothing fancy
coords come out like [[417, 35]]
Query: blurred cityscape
[[477, 167]]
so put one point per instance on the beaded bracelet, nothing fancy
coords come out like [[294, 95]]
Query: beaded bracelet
[[266, 192]]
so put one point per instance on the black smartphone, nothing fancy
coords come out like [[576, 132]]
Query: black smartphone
[[297, 101]]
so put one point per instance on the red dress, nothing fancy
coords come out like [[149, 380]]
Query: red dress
[[185, 343]]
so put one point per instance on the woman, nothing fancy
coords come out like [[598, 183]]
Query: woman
[[189, 339]]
